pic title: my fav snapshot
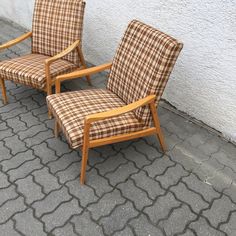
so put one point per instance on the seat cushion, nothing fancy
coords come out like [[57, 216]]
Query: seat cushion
[[30, 69], [71, 108]]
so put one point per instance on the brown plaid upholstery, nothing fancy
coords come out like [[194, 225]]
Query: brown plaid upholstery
[[30, 69], [56, 25], [142, 65], [71, 108]]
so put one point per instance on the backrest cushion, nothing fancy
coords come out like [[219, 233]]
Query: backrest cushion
[[142, 65], [56, 25]]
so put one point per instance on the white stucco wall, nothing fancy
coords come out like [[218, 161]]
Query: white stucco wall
[[203, 83]]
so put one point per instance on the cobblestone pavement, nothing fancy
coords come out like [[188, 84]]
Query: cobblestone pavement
[[131, 189]]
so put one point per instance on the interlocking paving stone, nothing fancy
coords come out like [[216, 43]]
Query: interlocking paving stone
[[61, 214], [118, 218], [151, 186], [106, 204], [7, 229], [219, 210], [177, 220], [27, 186], [51, 201], [142, 227], [131, 188], [84, 226], [201, 227], [28, 225]]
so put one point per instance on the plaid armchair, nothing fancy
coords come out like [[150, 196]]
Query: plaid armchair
[[56, 46], [127, 108]]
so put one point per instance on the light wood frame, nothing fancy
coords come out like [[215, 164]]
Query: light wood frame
[[87, 144], [49, 81]]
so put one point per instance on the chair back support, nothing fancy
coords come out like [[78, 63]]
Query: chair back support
[[142, 65], [56, 25]]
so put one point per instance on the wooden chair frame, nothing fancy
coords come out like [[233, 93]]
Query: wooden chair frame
[[49, 81], [87, 144]]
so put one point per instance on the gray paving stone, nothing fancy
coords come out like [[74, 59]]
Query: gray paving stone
[[118, 218], [202, 228], [150, 152], [63, 162], [159, 166], [70, 173], [162, 207], [51, 201], [65, 230], [17, 160], [110, 164], [138, 196], [7, 229], [106, 204], [46, 180], [122, 173], [206, 191], [144, 182], [143, 227], [7, 194], [15, 144], [44, 153], [31, 132], [125, 232], [171, 176], [84, 193], [193, 199], [5, 152], [25, 169], [138, 158], [10, 208], [219, 210], [29, 119], [64, 212], [27, 186], [188, 233], [229, 228], [177, 221], [3, 180], [99, 183], [84, 225], [16, 124], [211, 146], [59, 146], [28, 225]]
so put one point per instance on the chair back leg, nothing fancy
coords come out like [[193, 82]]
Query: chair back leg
[[156, 121], [4, 93], [81, 56]]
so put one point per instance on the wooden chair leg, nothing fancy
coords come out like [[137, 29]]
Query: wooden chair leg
[[56, 129], [4, 93], [49, 92], [160, 135], [81, 56], [85, 153]]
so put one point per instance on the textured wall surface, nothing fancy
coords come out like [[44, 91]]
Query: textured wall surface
[[203, 83]]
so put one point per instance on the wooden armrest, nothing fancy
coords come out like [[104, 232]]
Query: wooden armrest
[[119, 111], [15, 41], [82, 73], [63, 53]]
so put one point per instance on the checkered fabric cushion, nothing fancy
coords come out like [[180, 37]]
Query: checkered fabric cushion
[[56, 25], [142, 65], [30, 69], [71, 108]]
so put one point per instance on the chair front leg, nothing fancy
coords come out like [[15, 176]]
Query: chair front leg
[[85, 151], [156, 121], [48, 85], [81, 57], [4, 93]]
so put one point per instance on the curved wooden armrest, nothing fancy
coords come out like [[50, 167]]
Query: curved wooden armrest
[[80, 73], [72, 47], [15, 41], [119, 111]]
